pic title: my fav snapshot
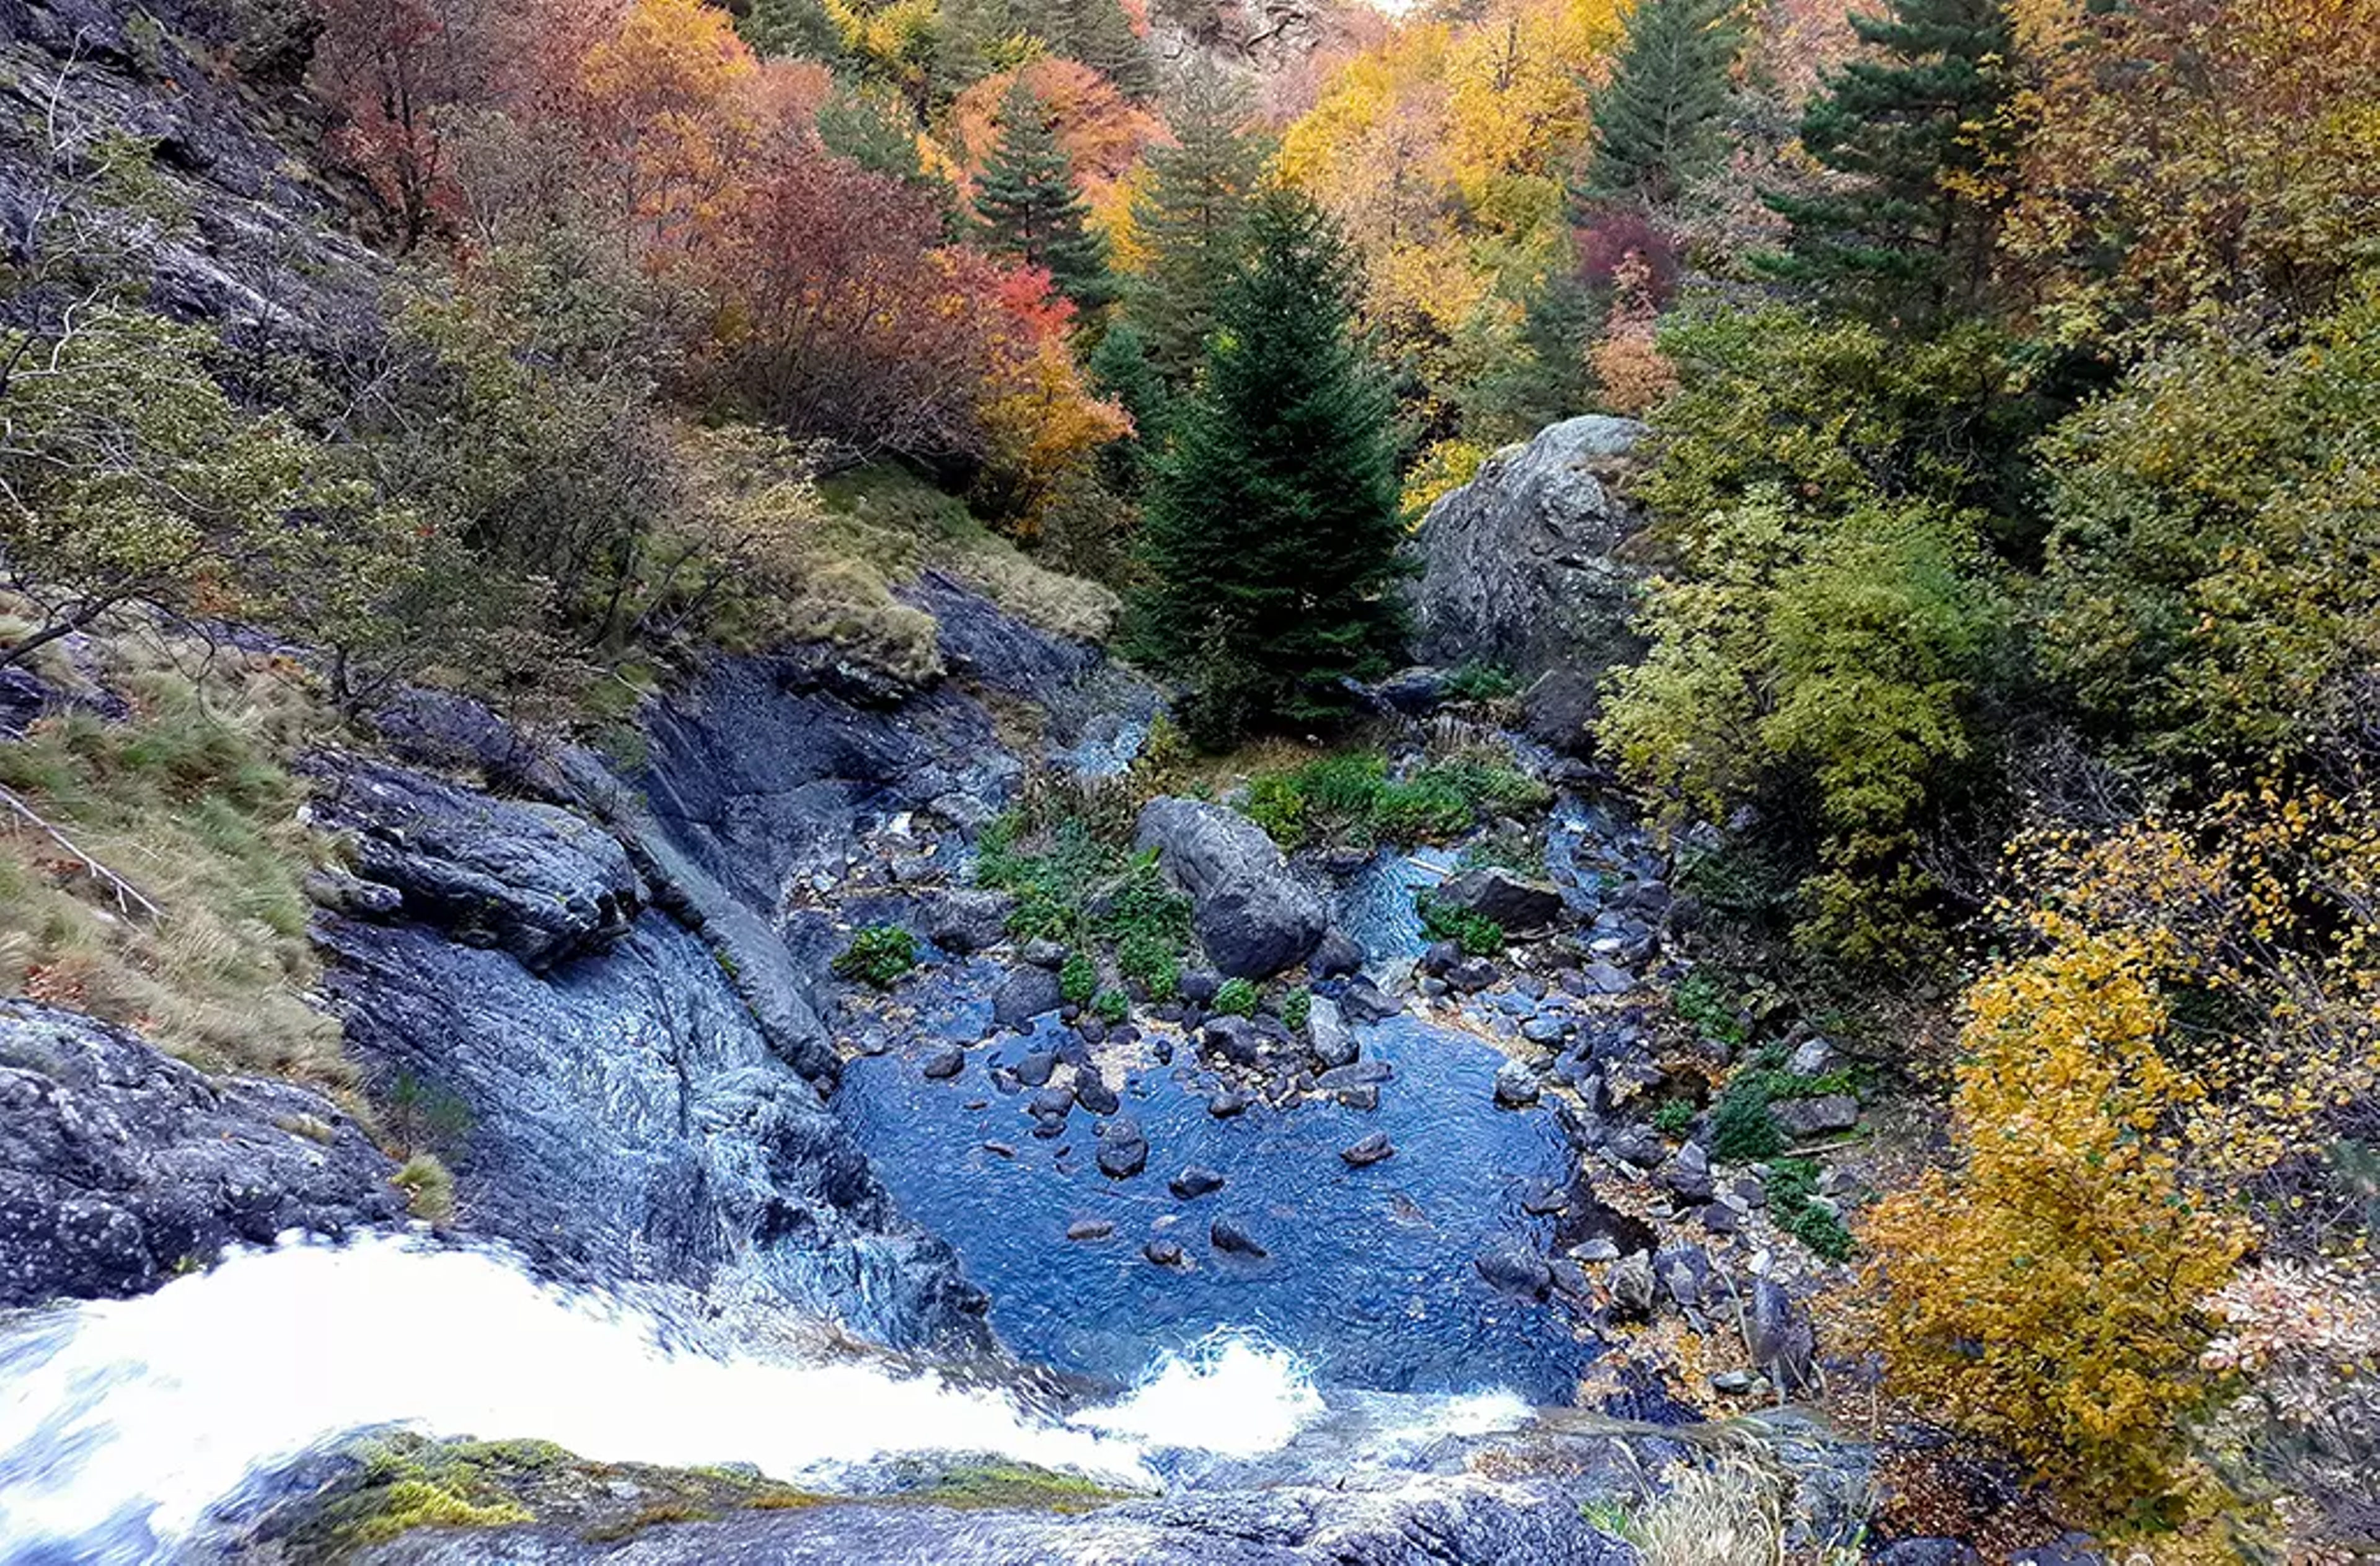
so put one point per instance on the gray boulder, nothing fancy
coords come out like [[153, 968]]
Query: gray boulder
[[1632, 1282], [1251, 914], [965, 918], [1784, 1342], [120, 1165], [1025, 994], [1493, 893], [1520, 566], [1332, 1041], [1801, 1118]]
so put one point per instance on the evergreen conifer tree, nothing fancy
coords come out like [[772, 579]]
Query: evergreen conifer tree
[[1919, 131], [1099, 34], [1657, 126], [1026, 205], [1119, 368], [1520, 393], [1271, 534], [1191, 218], [976, 38]]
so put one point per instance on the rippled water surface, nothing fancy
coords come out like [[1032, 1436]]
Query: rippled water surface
[[1370, 1279]]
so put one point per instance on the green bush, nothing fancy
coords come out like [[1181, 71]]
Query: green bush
[[1085, 888], [1479, 936], [1742, 1129], [1297, 1007], [1111, 1005], [1791, 1182], [1350, 800], [1078, 979], [1482, 682], [878, 954], [1237, 998], [1673, 1116]]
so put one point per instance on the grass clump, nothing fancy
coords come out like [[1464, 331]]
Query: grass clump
[[878, 954], [187, 799], [429, 1187], [1015, 1485], [1350, 800], [1478, 935], [1069, 863], [1237, 997]]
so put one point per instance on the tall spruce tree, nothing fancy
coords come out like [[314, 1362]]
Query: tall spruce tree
[[1271, 536], [1657, 125], [1099, 34], [1920, 133], [1026, 205], [1191, 217]]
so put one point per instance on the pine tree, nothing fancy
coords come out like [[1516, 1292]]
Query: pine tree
[[1026, 205], [1119, 368], [871, 125], [1191, 218], [1099, 34], [1547, 379], [1657, 126], [1919, 132], [1271, 533], [976, 38]]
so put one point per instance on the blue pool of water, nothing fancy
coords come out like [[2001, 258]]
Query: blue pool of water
[[1370, 1274]]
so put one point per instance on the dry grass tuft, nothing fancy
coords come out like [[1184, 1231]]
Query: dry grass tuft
[[186, 800]]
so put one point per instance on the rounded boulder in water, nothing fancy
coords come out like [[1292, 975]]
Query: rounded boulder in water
[[1226, 1236]]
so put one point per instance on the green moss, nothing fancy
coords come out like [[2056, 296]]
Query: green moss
[[1003, 1487], [416, 1503]]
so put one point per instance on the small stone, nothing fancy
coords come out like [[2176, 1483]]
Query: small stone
[[1516, 1273], [1124, 1151], [1041, 954], [1804, 1118], [1545, 1030], [1231, 1038], [1354, 1075], [1093, 1093], [1544, 1199], [1363, 1096], [1034, 1068], [1025, 994], [1372, 1149], [944, 1064], [1226, 1236], [1227, 1102], [1195, 1182], [1602, 978], [1435, 989], [1637, 1145], [1734, 1383], [1440, 956], [1198, 987], [1003, 1149], [1089, 1228], [1329, 1039], [1337, 955], [1163, 1253], [1364, 1002], [1517, 1085], [1601, 1248], [1473, 975], [1631, 1282], [1720, 1218], [1813, 1057], [1689, 1176]]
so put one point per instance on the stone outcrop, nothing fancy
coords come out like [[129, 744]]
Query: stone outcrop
[[120, 1166], [1521, 567], [1251, 914]]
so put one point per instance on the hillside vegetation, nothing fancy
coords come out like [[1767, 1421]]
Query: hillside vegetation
[[2013, 594]]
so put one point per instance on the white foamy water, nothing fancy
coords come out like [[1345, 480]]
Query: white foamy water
[[122, 1422]]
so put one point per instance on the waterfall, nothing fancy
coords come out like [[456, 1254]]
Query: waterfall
[[122, 1422]]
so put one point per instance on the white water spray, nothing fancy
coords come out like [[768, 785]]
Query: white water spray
[[121, 1423]]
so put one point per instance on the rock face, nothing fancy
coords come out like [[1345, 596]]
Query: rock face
[[1251, 914], [530, 880], [120, 1165], [1519, 565]]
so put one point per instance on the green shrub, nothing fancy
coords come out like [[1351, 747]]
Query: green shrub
[[1791, 1185], [1673, 1116], [878, 954], [1741, 1130], [1078, 979], [1085, 888], [1350, 800], [1482, 682], [1476, 934], [1111, 1005], [1237, 997], [1701, 1000], [428, 1188], [1297, 1007]]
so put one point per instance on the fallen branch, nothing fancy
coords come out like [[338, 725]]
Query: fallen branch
[[125, 892]]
